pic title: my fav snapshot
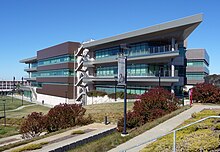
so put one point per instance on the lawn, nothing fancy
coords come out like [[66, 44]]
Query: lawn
[[25, 111], [8, 131], [204, 136], [113, 111], [9, 104]]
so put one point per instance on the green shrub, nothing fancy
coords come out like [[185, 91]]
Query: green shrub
[[95, 93], [75, 132], [28, 147], [121, 95]]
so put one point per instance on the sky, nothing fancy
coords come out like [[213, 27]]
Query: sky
[[27, 26]]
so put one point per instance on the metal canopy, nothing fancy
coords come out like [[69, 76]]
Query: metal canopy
[[179, 29]]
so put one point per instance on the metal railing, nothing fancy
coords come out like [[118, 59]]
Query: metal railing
[[174, 134]]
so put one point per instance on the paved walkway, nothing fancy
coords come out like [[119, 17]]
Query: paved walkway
[[159, 130], [63, 139]]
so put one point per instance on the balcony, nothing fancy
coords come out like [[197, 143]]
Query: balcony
[[150, 57], [30, 79], [165, 77], [33, 69]]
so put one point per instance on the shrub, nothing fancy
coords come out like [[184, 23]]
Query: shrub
[[64, 116], [95, 93], [121, 95], [152, 105], [29, 147], [33, 125], [206, 93], [75, 132]]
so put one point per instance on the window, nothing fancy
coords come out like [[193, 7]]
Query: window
[[56, 60]]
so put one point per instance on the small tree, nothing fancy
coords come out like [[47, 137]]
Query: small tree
[[206, 93], [33, 125]]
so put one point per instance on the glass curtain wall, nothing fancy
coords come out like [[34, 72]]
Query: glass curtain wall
[[136, 70], [137, 49], [56, 60]]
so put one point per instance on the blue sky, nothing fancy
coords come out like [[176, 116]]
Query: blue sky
[[30, 25]]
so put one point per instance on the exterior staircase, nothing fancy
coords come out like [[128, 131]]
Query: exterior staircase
[[81, 71]]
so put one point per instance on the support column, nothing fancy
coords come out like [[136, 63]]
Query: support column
[[172, 66]]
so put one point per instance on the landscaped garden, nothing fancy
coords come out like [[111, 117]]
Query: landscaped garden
[[148, 111], [204, 136]]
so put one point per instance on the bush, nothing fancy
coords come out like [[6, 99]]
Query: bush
[[206, 93], [33, 125], [121, 95], [29, 147], [95, 93], [76, 132], [64, 116], [153, 104]]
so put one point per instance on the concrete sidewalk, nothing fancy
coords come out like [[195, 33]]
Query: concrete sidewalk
[[159, 130], [63, 140]]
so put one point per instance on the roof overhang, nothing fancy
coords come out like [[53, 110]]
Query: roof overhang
[[179, 29], [29, 60]]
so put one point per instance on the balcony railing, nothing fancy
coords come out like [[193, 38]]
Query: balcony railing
[[145, 51], [164, 73]]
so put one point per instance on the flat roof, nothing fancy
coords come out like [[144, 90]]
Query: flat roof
[[29, 60], [189, 23]]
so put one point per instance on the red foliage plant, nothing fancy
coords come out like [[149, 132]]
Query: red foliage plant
[[33, 125], [64, 116], [152, 105], [206, 93]]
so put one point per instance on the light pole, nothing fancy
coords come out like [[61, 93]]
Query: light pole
[[159, 75], [115, 77], [13, 88], [66, 96], [123, 63], [4, 112], [22, 91]]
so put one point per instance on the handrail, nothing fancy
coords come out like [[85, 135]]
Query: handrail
[[174, 134]]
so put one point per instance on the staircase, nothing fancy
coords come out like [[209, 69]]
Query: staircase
[[81, 55]]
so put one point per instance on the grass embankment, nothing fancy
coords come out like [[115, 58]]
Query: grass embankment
[[113, 111], [9, 104], [14, 118], [108, 142], [8, 131], [203, 136]]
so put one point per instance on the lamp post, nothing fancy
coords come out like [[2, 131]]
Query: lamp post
[[22, 91], [122, 67], [159, 76], [115, 77], [4, 112], [66, 96], [13, 88]]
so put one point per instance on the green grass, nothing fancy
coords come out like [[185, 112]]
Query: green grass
[[6, 131], [25, 111], [9, 105], [111, 141], [202, 136], [113, 111]]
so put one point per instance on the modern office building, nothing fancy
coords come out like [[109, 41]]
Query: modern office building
[[154, 54], [51, 74], [197, 66]]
